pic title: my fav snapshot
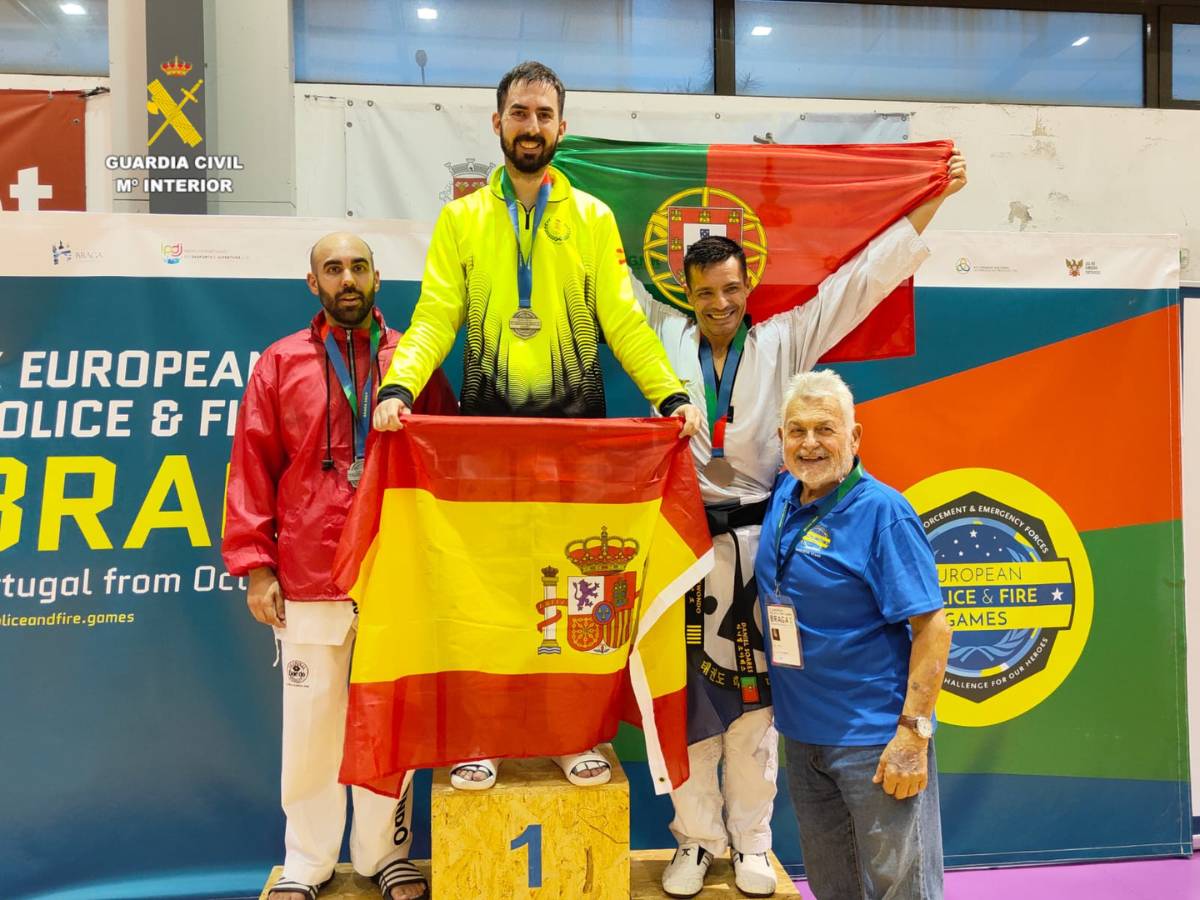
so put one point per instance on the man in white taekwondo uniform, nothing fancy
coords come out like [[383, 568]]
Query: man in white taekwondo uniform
[[737, 373]]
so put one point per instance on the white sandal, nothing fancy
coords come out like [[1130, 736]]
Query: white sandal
[[489, 766], [573, 761]]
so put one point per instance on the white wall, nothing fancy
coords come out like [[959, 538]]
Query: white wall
[[1037, 168]]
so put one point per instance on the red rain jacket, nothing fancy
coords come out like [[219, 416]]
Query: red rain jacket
[[284, 508]]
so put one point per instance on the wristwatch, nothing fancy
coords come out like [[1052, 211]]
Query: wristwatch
[[920, 724]]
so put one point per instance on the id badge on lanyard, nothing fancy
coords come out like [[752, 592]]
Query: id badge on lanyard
[[784, 636]]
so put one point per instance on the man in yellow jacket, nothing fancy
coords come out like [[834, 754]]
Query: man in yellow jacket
[[537, 272]]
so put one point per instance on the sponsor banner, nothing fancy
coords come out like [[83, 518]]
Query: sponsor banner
[[165, 246], [41, 156], [120, 632], [1062, 261], [390, 175], [1059, 563]]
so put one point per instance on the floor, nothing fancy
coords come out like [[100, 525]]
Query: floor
[[1157, 879]]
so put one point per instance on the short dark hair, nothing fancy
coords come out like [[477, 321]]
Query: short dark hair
[[709, 251], [534, 73]]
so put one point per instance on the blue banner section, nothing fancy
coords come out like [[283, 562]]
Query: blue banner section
[[143, 709], [141, 756]]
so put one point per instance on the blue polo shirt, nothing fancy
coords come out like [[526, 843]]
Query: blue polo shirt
[[854, 580]]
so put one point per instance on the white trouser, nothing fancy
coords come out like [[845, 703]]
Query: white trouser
[[315, 691], [750, 747]]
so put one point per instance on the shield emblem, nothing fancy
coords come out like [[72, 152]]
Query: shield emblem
[[600, 611], [688, 224], [467, 184]]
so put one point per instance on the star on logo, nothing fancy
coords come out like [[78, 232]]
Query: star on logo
[[974, 533], [1056, 594]]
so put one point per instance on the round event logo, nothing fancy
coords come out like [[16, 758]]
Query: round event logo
[[1017, 589], [688, 216]]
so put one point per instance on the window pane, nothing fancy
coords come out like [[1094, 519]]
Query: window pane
[[938, 53], [619, 45], [54, 37], [1185, 62]]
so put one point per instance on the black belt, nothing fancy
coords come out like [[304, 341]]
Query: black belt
[[725, 517]]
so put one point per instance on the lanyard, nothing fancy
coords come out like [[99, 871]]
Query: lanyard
[[362, 412], [717, 399], [524, 264], [825, 505]]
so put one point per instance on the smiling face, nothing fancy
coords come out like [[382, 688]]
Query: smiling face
[[718, 294], [819, 445], [529, 125], [343, 275]]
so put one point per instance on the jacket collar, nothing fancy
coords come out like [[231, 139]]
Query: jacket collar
[[560, 187], [339, 334]]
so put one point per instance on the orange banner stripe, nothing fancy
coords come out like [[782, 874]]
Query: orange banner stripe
[[1092, 420]]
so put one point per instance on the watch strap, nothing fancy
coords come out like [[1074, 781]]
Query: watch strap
[[914, 723]]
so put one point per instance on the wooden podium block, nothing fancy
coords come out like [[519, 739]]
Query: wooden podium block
[[646, 868], [346, 884], [532, 835]]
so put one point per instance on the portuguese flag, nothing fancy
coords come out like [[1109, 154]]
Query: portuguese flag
[[800, 212], [519, 594]]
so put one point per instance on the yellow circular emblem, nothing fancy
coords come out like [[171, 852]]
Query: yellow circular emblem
[[686, 217], [557, 229], [1017, 588]]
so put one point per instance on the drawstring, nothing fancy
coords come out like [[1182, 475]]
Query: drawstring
[[327, 462]]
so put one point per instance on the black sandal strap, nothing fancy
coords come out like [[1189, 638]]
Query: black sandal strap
[[286, 885], [396, 873]]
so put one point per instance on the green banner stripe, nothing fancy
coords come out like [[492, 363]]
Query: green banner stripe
[[1122, 712]]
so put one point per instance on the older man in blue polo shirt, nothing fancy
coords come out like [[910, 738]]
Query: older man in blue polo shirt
[[857, 646]]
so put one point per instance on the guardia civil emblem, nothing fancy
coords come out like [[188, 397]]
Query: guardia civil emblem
[[465, 178], [688, 216], [599, 601]]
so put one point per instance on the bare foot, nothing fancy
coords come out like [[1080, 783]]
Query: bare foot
[[589, 769], [408, 891], [471, 772]]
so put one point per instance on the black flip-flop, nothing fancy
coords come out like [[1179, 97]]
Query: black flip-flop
[[308, 890], [398, 873]]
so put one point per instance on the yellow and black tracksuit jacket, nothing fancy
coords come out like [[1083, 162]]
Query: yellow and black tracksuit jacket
[[581, 293]]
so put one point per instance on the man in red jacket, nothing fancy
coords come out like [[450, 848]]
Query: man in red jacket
[[297, 457]]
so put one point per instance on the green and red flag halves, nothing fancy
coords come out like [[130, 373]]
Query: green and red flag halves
[[800, 212]]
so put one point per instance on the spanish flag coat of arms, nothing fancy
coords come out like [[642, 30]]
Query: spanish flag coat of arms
[[519, 585]]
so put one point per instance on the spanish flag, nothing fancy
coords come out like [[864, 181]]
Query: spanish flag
[[519, 586]]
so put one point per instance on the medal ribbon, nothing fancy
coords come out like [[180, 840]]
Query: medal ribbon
[[362, 411], [524, 264], [823, 506], [717, 400]]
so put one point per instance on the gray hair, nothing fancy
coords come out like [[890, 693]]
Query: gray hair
[[819, 383]]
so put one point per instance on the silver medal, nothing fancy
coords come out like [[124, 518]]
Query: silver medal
[[525, 323], [354, 473]]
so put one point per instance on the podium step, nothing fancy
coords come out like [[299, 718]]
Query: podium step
[[532, 835], [646, 868], [346, 884]]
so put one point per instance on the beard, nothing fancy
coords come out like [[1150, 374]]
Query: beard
[[521, 159], [345, 314]]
